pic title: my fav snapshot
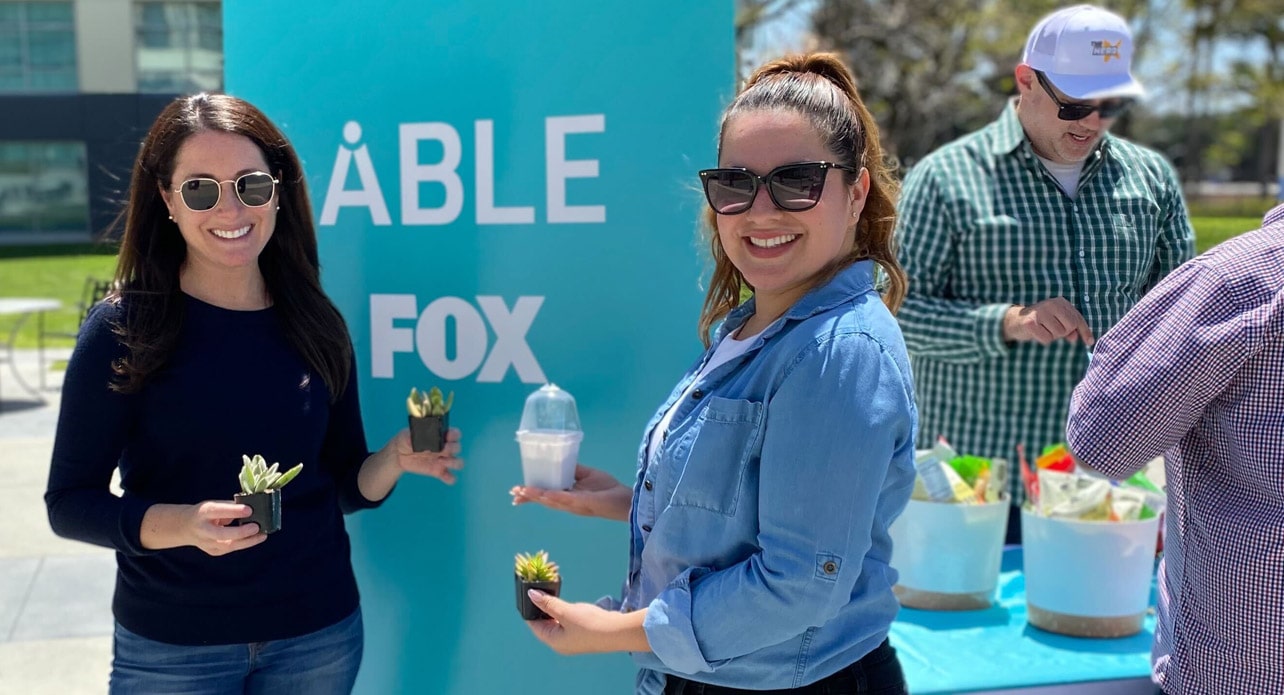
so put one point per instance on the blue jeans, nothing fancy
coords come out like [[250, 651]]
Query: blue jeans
[[878, 672], [324, 662]]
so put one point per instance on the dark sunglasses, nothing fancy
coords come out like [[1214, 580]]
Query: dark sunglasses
[[1108, 108], [254, 190], [792, 187]]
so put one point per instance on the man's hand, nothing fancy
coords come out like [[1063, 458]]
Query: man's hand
[[1046, 322]]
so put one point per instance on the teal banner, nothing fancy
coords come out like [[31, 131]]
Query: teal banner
[[505, 196]]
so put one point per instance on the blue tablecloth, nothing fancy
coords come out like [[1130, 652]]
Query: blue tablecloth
[[963, 651]]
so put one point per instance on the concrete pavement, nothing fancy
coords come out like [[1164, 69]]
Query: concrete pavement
[[55, 594]]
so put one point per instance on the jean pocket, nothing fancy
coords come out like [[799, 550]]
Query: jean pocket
[[720, 446], [880, 674]]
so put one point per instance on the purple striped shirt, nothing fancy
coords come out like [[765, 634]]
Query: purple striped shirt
[[1196, 372]]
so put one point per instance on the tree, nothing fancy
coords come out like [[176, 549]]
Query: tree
[[752, 15], [931, 70], [1261, 83]]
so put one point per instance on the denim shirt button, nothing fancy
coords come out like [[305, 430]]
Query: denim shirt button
[[646, 528], [830, 567], [647, 484], [697, 394]]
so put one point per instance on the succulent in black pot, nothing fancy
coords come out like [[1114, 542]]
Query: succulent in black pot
[[535, 572], [261, 491], [429, 418]]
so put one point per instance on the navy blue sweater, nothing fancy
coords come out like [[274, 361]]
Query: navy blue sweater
[[232, 386]]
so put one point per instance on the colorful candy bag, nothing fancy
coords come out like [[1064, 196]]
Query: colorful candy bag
[[1060, 489], [945, 476]]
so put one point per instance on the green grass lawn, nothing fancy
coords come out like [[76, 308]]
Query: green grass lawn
[[60, 272], [51, 271], [1211, 231]]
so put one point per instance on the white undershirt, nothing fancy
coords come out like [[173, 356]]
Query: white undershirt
[[1067, 175], [727, 350]]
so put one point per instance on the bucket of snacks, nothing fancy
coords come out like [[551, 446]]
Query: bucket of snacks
[[1089, 553], [947, 545]]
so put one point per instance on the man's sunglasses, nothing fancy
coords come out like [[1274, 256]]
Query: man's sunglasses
[[792, 187], [1108, 108], [254, 190]]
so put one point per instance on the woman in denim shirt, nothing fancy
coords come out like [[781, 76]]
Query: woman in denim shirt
[[769, 477]]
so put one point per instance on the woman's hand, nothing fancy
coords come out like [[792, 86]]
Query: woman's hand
[[206, 525], [440, 465], [384, 467], [595, 493], [584, 628]]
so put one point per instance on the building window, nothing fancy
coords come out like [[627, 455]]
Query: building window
[[180, 46], [43, 187], [37, 47]]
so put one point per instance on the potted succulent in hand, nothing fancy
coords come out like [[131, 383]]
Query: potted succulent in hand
[[261, 492], [535, 572], [429, 418]]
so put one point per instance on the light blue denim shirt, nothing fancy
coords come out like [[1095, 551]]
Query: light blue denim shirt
[[759, 529]]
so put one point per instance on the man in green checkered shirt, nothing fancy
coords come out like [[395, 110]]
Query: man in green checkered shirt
[[1027, 239]]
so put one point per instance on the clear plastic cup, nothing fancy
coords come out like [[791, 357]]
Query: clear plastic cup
[[550, 409], [549, 438]]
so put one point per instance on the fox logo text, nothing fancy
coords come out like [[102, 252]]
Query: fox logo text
[[472, 347]]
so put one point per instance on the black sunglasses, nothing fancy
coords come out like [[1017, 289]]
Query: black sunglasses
[[792, 187], [254, 190], [1108, 108]]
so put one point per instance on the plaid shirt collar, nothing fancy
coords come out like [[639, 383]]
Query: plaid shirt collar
[[1008, 138]]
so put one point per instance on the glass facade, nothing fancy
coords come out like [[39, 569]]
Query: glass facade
[[43, 187], [37, 47], [180, 46]]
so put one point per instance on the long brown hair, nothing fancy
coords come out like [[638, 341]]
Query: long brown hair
[[152, 250], [821, 88]]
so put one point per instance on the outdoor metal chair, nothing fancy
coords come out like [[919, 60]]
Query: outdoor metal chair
[[94, 291]]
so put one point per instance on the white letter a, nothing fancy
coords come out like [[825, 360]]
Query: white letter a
[[369, 196]]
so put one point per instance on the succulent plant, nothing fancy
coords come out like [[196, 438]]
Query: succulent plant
[[422, 404], [256, 476], [536, 568]]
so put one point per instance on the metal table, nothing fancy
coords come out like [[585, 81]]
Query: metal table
[[24, 307]]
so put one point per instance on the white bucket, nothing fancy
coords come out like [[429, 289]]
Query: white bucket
[[548, 458], [948, 555], [1088, 578]]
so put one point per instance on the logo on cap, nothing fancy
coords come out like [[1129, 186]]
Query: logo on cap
[[1107, 50]]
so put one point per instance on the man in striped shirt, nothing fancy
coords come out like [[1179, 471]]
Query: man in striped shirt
[[1027, 239], [1196, 372]]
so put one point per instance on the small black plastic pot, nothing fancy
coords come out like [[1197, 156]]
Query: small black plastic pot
[[265, 509], [429, 433], [525, 606]]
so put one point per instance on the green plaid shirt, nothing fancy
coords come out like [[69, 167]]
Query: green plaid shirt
[[982, 226]]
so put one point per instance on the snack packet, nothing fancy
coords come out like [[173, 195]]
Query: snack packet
[[1126, 503], [930, 466], [1073, 496], [1055, 458]]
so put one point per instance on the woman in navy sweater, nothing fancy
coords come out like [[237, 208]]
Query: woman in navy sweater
[[220, 342]]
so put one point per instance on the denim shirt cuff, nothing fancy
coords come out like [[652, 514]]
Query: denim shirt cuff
[[989, 329], [669, 629]]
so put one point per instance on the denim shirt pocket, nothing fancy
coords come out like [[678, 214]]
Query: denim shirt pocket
[[724, 439]]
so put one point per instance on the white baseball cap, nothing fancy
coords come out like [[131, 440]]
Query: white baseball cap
[[1085, 51]]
